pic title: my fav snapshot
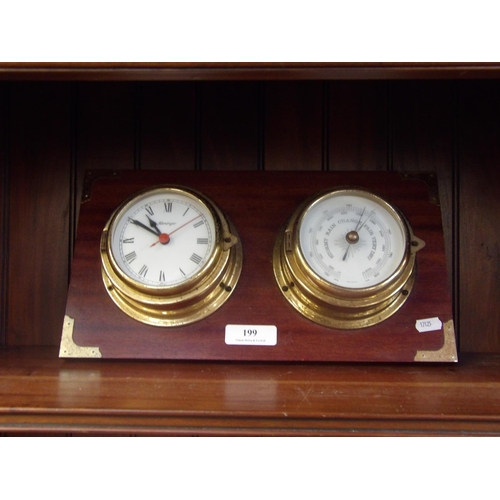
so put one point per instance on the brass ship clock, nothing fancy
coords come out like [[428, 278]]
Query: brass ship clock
[[169, 256], [346, 259]]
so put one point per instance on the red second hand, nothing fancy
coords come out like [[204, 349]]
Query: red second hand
[[165, 238]]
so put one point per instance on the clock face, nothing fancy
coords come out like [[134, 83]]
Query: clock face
[[352, 239], [169, 256], [163, 237]]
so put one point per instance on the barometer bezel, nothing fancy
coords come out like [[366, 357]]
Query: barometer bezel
[[327, 303]]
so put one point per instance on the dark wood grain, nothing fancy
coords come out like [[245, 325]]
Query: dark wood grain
[[168, 126], [358, 135], [293, 125], [46, 396], [479, 248], [133, 71], [231, 120], [269, 199], [4, 209], [119, 126], [52, 133], [107, 129], [39, 157], [423, 128], [107, 125]]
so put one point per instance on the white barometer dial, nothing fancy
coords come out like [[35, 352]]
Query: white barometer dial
[[169, 256], [346, 259]]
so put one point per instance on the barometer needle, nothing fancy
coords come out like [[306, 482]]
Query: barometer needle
[[352, 237], [360, 217], [355, 231], [346, 251], [366, 220]]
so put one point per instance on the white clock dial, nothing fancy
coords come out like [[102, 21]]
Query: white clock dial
[[352, 239], [163, 238], [169, 256]]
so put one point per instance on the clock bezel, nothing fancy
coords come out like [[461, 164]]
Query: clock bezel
[[181, 303]]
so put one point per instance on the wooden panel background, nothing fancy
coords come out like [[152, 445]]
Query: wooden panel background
[[51, 132], [4, 193]]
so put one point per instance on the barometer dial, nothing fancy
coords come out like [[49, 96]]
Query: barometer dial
[[346, 258], [352, 239]]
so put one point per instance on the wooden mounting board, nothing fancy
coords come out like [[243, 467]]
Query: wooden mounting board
[[258, 203]]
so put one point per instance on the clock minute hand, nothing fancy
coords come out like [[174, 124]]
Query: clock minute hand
[[140, 224]]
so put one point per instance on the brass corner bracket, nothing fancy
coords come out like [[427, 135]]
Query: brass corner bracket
[[69, 349], [448, 351]]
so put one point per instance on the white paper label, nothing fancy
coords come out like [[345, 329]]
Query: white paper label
[[428, 324], [251, 335]]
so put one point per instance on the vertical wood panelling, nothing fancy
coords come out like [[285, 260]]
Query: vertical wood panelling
[[107, 127], [168, 127], [39, 211], [56, 131], [4, 209], [479, 241], [74, 187], [423, 140], [358, 125], [293, 125], [230, 125]]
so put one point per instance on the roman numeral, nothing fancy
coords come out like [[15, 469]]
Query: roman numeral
[[168, 206], [131, 257], [187, 209], [128, 240], [198, 224], [162, 276], [149, 210], [202, 241], [182, 272], [143, 271], [195, 258]]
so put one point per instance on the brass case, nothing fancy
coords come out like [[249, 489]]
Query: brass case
[[187, 302], [335, 306]]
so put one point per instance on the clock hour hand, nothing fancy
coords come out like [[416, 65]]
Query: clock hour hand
[[140, 224], [154, 225]]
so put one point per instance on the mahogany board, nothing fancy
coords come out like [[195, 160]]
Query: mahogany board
[[259, 203]]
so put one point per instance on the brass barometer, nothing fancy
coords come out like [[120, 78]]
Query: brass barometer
[[169, 256], [346, 259]]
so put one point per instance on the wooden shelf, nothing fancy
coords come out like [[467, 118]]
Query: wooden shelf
[[44, 395], [244, 71]]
